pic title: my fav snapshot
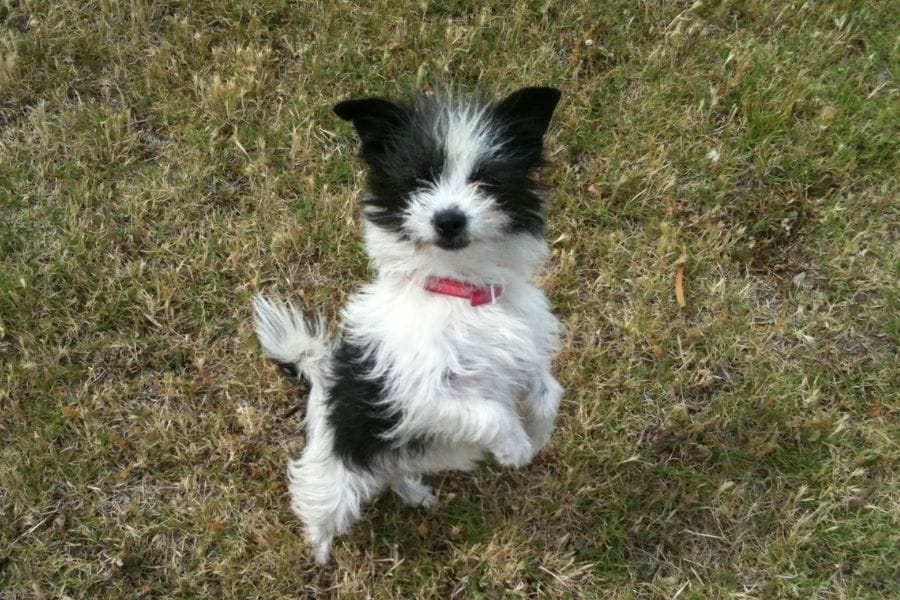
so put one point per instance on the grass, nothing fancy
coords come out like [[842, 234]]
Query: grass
[[161, 161]]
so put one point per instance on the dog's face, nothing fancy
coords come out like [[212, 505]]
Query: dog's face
[[449, 176]]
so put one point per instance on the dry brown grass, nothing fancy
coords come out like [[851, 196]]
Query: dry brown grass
[[161, 161]]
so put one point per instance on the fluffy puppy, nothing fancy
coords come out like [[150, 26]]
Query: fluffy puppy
[[444, 357]]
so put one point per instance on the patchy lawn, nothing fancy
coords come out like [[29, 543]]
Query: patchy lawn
[[161, 161]]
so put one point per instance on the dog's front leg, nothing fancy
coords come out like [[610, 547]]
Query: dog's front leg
[[539, 409], [482, 422]]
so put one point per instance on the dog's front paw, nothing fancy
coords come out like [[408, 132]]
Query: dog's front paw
[[540, 434], [515, 450], [539, 411]]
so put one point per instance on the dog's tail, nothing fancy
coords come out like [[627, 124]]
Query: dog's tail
[[302, 348]]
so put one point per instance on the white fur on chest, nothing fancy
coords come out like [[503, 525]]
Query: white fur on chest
[[430, 345]]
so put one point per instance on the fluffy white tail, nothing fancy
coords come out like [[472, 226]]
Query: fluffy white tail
[[301, 348]]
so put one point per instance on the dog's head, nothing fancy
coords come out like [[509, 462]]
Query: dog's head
[[449, 177]]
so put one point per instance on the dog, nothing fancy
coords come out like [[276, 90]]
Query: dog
[[446, 356]]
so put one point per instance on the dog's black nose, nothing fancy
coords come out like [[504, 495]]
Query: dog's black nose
[[449, 223]]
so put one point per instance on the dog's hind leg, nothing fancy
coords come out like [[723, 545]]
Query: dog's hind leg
[[328, 497], [413, 491]]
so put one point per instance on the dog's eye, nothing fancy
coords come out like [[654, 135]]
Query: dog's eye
[[427, 174], [482, 177]]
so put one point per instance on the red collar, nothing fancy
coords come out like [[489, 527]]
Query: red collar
[[476, 294]]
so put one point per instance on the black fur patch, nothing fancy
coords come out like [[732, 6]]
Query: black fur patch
[[355, 415], [400, 149], [521, 120], [413, 161], [289, 370], [507, 179]]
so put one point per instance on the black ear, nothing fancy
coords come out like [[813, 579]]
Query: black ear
[[374, 119], [527, 112]]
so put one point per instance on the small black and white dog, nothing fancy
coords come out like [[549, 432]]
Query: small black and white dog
[[446, 355]]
